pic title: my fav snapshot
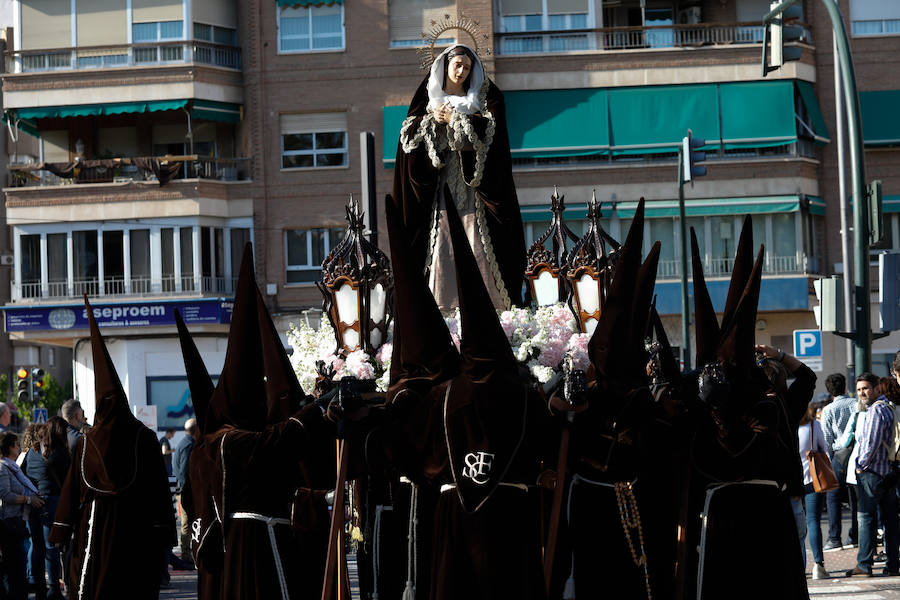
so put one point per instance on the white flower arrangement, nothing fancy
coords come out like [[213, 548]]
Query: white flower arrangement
[[540, 338]]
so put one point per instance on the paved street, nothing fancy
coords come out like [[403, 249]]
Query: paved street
[[837, 587]]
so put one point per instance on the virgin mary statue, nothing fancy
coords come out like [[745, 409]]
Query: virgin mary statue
[[454, 147]]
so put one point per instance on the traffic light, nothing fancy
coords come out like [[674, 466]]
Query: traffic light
[[830, 311], [889, 290], [780, 28], [690, 156], [876, 218], [37, 385], [23, 386]]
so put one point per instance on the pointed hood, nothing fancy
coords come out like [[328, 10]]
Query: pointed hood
[[109, 459], [239, 397], [706, 324], [485, 405], [738, 339], [108, 391], [643, 292], [484, 346], [283, 391], [740, 272], [668, 367], [423, 353], [616, 319], [199, 381]]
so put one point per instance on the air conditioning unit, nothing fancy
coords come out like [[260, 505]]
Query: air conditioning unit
[[7, 260], [691, 15]]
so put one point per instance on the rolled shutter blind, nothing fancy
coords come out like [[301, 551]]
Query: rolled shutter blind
[[408, 19], [566, 7], [512, 8], [313, 122], [46, 24], [149, 11], [101, 22]]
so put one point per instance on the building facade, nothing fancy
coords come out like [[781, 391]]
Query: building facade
[[196, 125]]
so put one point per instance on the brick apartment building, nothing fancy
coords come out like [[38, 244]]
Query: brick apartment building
[[260, 105]]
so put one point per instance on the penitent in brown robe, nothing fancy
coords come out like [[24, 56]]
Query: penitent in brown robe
[[258, 530], [115, 504]]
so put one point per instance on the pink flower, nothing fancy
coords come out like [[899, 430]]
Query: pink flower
[[456, 340], [578, 346], [385, 353]]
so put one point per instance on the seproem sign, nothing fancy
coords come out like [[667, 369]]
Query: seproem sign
[[132, 314]]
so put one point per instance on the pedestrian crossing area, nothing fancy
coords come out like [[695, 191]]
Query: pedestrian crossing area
[[877, 588]]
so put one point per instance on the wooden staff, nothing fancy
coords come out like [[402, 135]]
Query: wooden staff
[[556, 509], [337, 557]]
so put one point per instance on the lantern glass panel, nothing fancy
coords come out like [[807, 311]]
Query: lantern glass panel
[[589, 326], [377, 302], [375, 338], [546, 288], [351, 339], [347, 300], [588, 291]]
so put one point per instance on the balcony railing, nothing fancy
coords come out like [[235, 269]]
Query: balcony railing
[[631, 38], [721, 267], [167, 285], [123, 56], [122, 170]]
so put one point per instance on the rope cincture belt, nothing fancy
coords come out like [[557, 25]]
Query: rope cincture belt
[[520, 486], [270, 522]]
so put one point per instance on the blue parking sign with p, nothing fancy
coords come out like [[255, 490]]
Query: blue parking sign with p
[[807, 343]]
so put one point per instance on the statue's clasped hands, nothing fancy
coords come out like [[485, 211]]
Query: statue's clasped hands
[[443, 113]]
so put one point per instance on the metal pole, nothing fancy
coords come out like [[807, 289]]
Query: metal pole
[[685, 309], [367, 164], [842, 196], [863, 339]]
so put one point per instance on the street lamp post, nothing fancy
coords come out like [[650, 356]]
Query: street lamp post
[[862, 335]]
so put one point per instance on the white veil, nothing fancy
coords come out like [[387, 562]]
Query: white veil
[[467, 104]]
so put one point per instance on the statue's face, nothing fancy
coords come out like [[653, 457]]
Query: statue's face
[[458, 69]]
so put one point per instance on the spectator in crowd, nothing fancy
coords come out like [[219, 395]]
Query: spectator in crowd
[[48, 469], [74, 415], [812, 438], [166, 448], [5, 416], [181, 461], [835, 417], [34, 543], [872, 469], [895, 367], [17, 496]]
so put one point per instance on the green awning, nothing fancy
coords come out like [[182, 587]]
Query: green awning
[[890, 204], [655, 119], [551, 123], [881, 127], [700, 207], [816, 128], [87, 110], [647, 119], [308, 2], [709, 207], [222, 112], [758, 114], [29, 127], [574, 212], [392, 121], [816, 206]]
